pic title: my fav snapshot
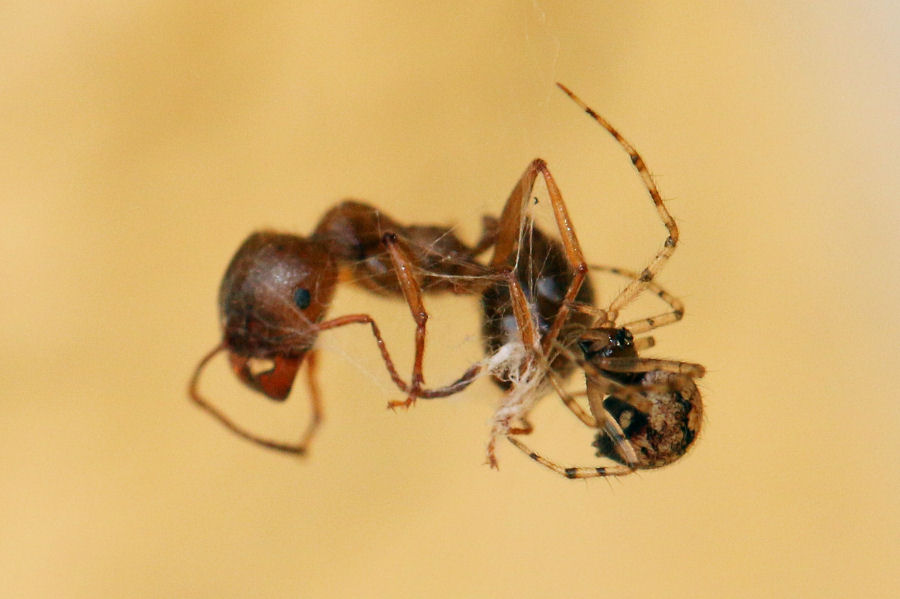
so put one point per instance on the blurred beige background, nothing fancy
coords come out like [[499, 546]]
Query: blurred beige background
[[141, 141]]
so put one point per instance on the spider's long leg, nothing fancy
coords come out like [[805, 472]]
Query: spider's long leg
[[644, 325], [599, 417], [570, 402], [638, 284], [571, 472], [605, 385]]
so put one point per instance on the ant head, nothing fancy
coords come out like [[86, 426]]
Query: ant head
[[607, 343], [275, 292]]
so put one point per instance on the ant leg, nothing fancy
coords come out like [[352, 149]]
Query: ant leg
[[522, 313], [382, 346], [571, 472], [316, 418], [412, 292], [404, 265], [489, 228], [519, 401], [461, 383], [510, 229], [640, 282]]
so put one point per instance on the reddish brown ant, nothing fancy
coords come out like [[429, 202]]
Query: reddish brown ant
[[276, 290], [278, 286]]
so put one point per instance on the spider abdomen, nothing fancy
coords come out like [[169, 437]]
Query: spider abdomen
[[664, 432]]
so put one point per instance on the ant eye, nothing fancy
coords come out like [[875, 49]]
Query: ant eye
[[302, 298]]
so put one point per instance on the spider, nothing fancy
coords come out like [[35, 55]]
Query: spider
[[647, 411]]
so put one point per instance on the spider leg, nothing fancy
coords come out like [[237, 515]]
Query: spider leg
[[571, 472], [637, 285], [510, 230], [607, 386], [570, 402], [600, 419], [644, 325], [648, 364]]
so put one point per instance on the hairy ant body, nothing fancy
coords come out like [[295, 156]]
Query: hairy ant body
[[275, 293]]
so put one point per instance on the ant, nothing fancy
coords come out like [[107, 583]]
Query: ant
[[276, 290], [278, 286], [647, 411], [275, 293]]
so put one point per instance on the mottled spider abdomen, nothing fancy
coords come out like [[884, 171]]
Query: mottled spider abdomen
[[665, 432]]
